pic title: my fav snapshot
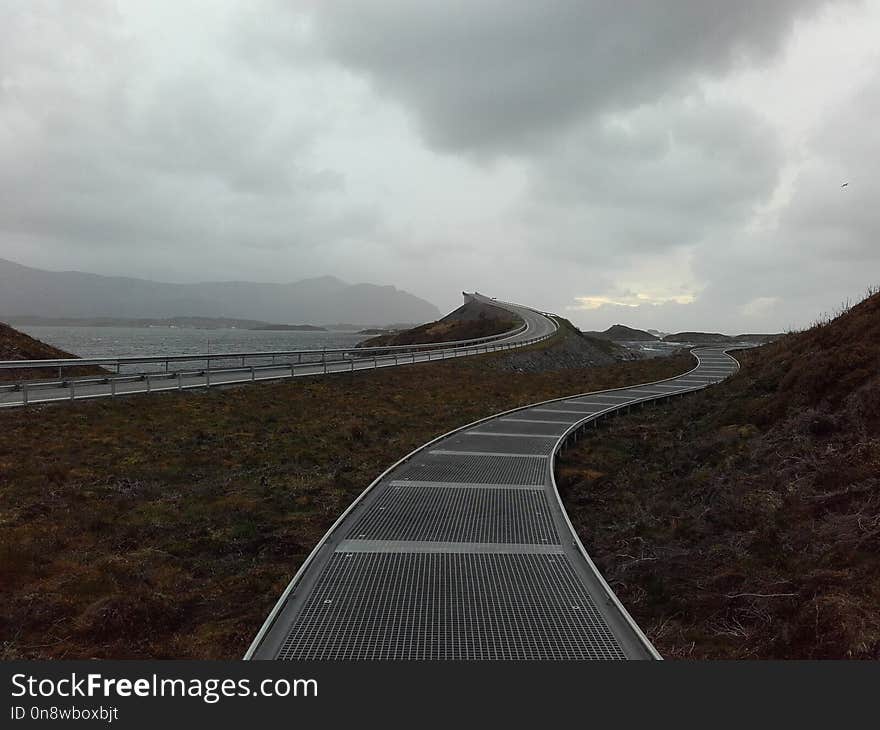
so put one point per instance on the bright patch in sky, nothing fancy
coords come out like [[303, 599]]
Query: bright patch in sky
[[632, 300]]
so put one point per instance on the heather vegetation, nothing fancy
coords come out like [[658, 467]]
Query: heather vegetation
[[470, 321], [443, 331], [15, 345], [167, 525], [740, 522], [744, 522]]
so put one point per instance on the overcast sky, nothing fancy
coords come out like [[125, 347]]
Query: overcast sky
[[675, 165]]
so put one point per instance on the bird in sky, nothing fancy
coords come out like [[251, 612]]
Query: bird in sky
[[844, 185]]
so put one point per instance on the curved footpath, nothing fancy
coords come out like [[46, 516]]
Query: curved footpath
[[537, 326], [463, 550]]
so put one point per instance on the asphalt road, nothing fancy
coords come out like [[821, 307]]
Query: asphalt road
[[537, 326]]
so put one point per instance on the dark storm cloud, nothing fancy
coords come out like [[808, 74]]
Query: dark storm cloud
[[664, 175], [835, 221], [824, 248], [626, 159], [437, 145], [107, 144], [500, 76]]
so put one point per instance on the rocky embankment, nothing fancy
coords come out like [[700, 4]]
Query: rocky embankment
[[472, 320], [15, 345], [570, 349]]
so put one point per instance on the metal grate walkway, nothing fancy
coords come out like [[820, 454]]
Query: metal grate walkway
[[449, 606], [463, 551]]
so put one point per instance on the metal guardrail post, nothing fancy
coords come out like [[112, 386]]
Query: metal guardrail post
[[253, 373], [24, 394], [179, 381], [72, 390], [149, 385], [208, 378], [290, 365]]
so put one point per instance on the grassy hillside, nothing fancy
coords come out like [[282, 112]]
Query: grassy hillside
[[168, 525], [569, 348], [745, 521], [15, 345], [470, 321]]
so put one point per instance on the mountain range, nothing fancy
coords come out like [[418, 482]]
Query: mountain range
[[26, 291]]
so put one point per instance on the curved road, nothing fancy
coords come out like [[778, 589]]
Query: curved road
[[537, 326], [463, 550]]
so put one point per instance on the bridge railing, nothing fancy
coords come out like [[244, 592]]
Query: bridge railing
[[271, 358], [346, 359]]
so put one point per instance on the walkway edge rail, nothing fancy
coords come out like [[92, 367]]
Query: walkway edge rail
[[563, 441], [560, 444]]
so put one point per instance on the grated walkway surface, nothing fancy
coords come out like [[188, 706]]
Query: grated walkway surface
[[464, 552]]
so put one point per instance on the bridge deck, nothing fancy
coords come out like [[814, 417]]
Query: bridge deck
[[464, 551], [14, 395]]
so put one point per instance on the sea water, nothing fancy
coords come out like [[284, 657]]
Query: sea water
[[140, 341]]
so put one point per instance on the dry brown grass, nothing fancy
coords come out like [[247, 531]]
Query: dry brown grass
[[744, 522], [444, 331], [15, 345], [167, 525]]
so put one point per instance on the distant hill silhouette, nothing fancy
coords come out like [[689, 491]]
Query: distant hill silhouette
[[622, 333], [698, 337], [25, 291]]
